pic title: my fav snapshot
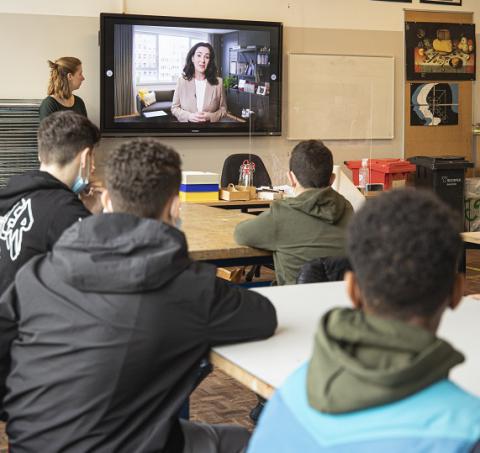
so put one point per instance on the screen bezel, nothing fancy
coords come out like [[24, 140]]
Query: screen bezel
[[109, 127]]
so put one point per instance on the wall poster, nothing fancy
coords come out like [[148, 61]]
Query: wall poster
[[440, 51], [433, 104]]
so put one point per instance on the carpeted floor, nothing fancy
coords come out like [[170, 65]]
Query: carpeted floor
[[220, 399]]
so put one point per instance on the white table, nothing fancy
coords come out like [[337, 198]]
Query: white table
[[263, 365]]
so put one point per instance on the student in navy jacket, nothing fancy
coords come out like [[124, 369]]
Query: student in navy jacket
[[378, 377], [101, 339]]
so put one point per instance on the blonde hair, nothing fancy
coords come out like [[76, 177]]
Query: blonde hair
[[58, 84]]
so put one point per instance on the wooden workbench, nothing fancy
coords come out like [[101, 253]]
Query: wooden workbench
[[471, 237], [209, 233], [244, 206]]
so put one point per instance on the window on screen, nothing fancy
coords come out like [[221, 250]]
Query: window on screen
[[159, 53]]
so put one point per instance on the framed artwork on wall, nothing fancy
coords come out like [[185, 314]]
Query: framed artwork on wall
[[440, 51], [443, 2], [434, 104]]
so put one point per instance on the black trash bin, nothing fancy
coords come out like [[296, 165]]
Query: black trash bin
[[445, 175]]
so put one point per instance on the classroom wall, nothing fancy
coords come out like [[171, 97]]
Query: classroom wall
[[87, 8], [56, 28], [332, 14], [342, 14]]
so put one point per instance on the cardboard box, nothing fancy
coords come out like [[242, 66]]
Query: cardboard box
[[232, 194], [251, 189]]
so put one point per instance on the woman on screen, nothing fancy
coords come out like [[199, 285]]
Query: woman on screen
[[199, 96], [65, 77]]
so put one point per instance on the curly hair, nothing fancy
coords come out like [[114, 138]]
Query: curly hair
[[141, 176], [62, 135], [404, 247], [312, 163], [59, 69], [211, 70]]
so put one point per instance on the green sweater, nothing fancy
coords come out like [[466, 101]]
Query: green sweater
[[297, 230], [362, 361]]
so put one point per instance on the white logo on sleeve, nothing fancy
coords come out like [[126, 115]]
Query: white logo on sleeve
[[16, 222]]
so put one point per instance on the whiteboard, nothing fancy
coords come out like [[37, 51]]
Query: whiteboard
[[340, 97]]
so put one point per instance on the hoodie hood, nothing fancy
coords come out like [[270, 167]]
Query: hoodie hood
[[20, 185], [360, 361], [119, 253], [325, 204]]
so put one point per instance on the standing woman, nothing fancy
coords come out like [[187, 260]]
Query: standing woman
[[65, 77], [199, 96]]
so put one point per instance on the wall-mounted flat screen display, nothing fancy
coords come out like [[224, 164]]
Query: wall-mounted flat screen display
[[183, 76]]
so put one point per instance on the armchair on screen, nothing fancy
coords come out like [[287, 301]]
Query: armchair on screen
[[154, 101]]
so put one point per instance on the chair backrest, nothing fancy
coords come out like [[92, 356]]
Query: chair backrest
[[326, 269], [164, 95], [231, 169]]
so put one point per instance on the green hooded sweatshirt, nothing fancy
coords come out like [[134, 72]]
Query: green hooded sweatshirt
[[360, 361], [297, 230]]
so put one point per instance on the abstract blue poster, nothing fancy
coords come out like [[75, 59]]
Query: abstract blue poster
[[433, 104]]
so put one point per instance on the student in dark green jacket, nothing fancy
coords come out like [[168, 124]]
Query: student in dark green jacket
[[310, 225]]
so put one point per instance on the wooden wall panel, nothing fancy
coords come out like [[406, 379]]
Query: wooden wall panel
[[437, 16], [441, 140]]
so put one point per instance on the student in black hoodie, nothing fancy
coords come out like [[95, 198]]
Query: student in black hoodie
[[105, 333], [37, 206]]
